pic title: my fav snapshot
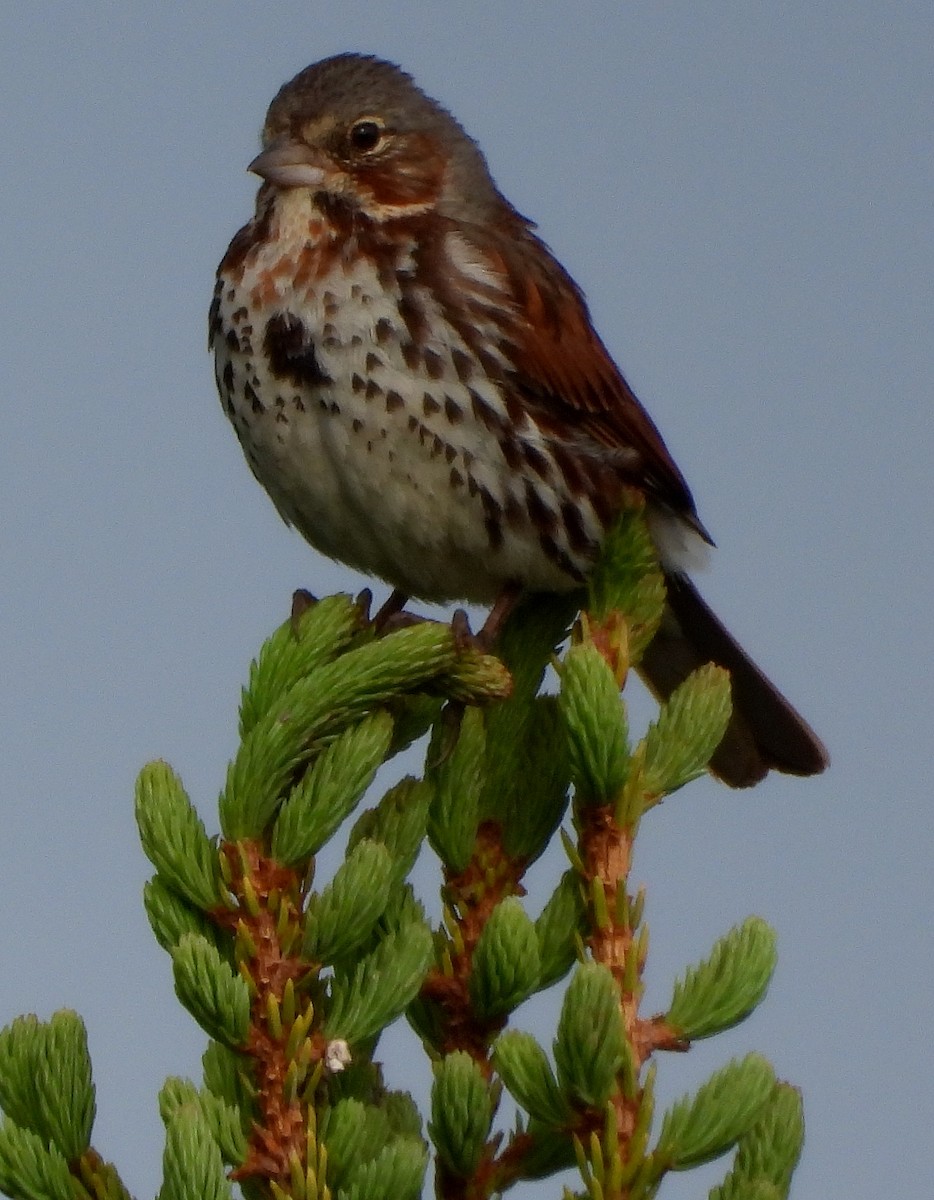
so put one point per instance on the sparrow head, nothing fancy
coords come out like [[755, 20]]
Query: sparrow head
[[356, 131]]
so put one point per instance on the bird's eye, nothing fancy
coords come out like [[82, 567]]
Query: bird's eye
[[366, 135]]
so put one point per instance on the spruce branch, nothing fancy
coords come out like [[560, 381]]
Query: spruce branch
[[294, 984], [295, 977]]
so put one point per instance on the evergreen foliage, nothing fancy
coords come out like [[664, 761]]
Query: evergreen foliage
[[293, 978]]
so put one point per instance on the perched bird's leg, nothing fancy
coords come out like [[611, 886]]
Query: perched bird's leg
[[390, 609], [484, 641], [499, 614]]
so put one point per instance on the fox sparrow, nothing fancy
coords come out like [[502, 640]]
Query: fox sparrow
[[416, 382]]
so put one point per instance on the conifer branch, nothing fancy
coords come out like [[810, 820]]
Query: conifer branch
[[294, 978]]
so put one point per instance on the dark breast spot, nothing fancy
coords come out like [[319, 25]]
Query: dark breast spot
[[463, 365], [252, 398], [542, 516], [510, 448], [412, 316], [291, 352], [537, 461], [574, 528], [434, 363], [491, 365], [487, 415]]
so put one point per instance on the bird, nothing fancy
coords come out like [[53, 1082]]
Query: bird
[[418, 384]]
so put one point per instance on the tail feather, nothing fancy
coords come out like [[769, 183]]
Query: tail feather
[[765, 731]]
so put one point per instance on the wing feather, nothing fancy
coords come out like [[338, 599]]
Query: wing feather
[[570, 385]]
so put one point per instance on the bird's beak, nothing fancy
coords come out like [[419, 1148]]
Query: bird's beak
[[288, 164]]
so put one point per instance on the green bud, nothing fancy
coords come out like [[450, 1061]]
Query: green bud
[[690, 726], [549, 1151], [225, 1077], [21, 1044], [398, 822], [318, 707], [217, 998], [558, 930], [525, 1070], [341, 918], [768, 1152], [475, 678], [192, 1168], [402, 910], [708, 1124], [64, 1087], [591, 1046], [294, 651], [525, 775], [505, 968], [45, 1080], [402, 1114], [226, 1128], [175, 1093], [380, 985], [725, 988], [224, 1122], [353, 1133], [396, 1173], [530, 638], [174, 839], [461, 1113], [330, 789], [627, 579], [457, 782], [758, 1189], [533, 795], [171, 917], [595, 720], [31, 1170], [413, 716]]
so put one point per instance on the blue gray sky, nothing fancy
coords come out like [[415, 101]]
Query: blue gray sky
[[744, 191]]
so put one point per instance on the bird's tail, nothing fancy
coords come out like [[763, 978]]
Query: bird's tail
[[764, 732]]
